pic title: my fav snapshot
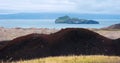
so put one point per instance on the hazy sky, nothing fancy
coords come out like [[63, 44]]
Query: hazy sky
[[60, 6]]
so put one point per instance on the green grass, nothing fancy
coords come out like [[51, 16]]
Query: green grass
[[75, 59]]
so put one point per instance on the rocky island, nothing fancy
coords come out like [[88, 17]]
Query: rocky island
[[68, 20]]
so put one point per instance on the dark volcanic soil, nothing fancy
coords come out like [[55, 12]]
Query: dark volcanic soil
[[70, 41]]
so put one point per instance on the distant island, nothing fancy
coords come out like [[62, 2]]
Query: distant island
[[56, 15], [68, 20]]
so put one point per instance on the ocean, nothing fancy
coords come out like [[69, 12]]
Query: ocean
[[50, 23]]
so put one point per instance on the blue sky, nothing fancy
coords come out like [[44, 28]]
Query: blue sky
[[60, 6]]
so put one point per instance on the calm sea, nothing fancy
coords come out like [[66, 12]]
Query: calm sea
[[49, 23]]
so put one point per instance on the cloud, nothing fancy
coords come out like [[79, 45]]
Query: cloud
[[98, 6], [60, 6], [37, 6]]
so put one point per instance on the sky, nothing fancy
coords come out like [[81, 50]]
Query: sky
[[60, 6]]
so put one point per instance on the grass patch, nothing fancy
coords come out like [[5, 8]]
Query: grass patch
[[75, 59]]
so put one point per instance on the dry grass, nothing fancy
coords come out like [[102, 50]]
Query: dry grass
[[75, 59]]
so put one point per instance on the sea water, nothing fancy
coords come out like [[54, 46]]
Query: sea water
[[50, 23]]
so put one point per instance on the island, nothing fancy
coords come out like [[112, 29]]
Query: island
[[68, 20]]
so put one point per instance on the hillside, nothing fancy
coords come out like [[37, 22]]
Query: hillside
[[11, 33], [69, 41], [115, 26]]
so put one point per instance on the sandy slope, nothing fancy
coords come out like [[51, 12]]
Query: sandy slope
[[10, 33]]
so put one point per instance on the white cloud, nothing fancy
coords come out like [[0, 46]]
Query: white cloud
[[73, 6], [38, 6], [98, 6]]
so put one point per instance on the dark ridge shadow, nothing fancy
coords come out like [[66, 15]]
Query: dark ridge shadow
[[3, 43], [69, 41], [116, 46]]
